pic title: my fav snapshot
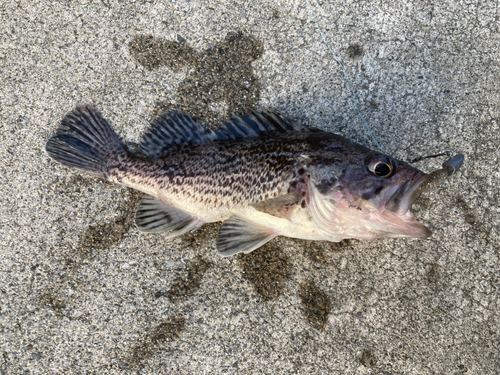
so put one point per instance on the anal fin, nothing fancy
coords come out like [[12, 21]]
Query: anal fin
[[237, 235], [155, 216]]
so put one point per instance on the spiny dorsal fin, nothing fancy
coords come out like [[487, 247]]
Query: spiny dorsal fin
[[172, 129], [155, 216], [237, 235], [176, 128], [255, 123]]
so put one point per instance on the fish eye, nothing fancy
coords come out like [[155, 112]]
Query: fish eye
[[381, 166]]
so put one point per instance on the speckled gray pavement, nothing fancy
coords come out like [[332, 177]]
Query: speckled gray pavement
[[83, 292]]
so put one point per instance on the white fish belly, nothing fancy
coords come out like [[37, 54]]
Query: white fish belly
[[300, 225]]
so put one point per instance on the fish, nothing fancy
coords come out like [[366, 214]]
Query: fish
[[262, 175]]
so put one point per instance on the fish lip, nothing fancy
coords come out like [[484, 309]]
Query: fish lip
[[402, 199]]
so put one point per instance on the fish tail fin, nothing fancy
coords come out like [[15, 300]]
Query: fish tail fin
[[84, 140]]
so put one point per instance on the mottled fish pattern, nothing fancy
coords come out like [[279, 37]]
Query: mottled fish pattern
[[262, 174]]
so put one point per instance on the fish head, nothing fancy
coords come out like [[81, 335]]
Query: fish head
[[367, 195]]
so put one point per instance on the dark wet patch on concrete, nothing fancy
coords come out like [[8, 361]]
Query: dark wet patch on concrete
[[432, 273], [152, 52], [267, 269], [170, 330], [165, 332], [188, 283], [101, 237], [355, 51], [96, 238], [52, 299], [201, 237], [76, 185], [316, 304], [320, 252], [368, 358], [372, 104], [471, 218], [342, 245], [222, 74], [316, 251]]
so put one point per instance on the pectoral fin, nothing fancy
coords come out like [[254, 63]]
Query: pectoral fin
[[281, 206], [155, 216], [238, 235]]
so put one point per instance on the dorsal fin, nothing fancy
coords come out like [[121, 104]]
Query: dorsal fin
[[254, 123], [169, 129], [175, 128]]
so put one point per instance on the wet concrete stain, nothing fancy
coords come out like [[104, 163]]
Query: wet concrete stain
[[315, 251], [52, 299], [316, 304], [267, 269], [320, 251], [355, 51], [202, 236], [432, 273], [98, 238], [169, 330], [165, 332], [222, 74], [74, 186], [188, 283], [368, 358], [471, 218]]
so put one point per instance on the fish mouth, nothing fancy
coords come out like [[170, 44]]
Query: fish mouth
[[403, 198], [397, 208]]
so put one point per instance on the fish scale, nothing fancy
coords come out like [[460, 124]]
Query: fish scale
[[246, 172], [262, 174]]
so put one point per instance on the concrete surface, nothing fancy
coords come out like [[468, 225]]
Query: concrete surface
[[83, 292]]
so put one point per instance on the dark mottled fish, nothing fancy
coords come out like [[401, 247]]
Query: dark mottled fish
[[262, 174]]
